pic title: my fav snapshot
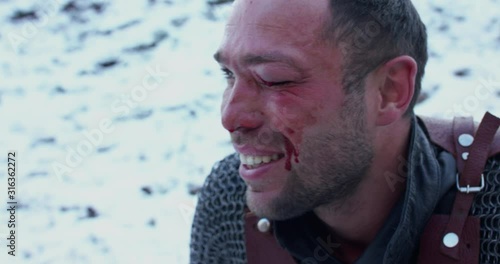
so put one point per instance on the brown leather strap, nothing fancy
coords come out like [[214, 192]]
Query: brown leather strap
[[462, 126], [479, 150], [441, 129], [470, 175], [431, 241]]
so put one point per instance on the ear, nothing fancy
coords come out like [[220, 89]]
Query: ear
[[396, 89]]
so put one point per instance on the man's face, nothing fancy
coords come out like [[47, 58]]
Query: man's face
[[302, 141]]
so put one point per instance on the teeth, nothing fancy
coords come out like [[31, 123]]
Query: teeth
[[256, 160], [250, 160]]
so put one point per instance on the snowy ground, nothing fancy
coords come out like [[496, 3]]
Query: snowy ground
[[131, 86]]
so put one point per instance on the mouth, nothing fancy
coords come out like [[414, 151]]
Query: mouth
[[251, 162], [263, 174]]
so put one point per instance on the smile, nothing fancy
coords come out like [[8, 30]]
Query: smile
[[256, 161]]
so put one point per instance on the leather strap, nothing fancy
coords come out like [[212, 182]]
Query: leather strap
[[470, 173], [479, 150], [431, 241], [440, 131], [462, 126]]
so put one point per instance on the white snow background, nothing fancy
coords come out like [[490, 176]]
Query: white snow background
[[145, 69]]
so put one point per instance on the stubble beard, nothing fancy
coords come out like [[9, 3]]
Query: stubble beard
[[331, 168]]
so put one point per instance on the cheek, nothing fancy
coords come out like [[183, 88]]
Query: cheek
[[291, 117]]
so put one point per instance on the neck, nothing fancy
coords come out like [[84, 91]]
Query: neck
[[356, 221]]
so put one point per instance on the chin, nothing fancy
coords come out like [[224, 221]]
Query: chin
[[272, 205], [263, 204]]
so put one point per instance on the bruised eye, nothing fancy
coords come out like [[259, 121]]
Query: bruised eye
[[276, 84]]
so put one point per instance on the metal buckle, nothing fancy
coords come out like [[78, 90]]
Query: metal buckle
[[470, 189]]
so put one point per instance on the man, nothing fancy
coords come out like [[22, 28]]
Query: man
[[319, 104]]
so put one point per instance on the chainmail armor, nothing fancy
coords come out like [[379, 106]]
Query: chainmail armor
[[218, 227], [217, 234], [487, 206]]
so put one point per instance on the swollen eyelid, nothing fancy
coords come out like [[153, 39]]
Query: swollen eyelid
[[276, 83]]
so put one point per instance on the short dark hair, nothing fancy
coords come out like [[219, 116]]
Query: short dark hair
[[372, 32]]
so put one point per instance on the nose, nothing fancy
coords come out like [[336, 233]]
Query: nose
[[241, 107]]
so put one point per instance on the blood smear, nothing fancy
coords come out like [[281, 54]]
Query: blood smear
[[290, 151]]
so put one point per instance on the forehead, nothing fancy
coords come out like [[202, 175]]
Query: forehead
[[281, 13], [258, 26]]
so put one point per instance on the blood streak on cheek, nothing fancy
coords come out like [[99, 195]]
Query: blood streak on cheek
[[295, 135], [291, 135], [290, 152], [291, 120]]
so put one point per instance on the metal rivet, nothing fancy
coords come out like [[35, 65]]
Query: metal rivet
[[465, 155], [465, 140], [263, 225], [450, 240]]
